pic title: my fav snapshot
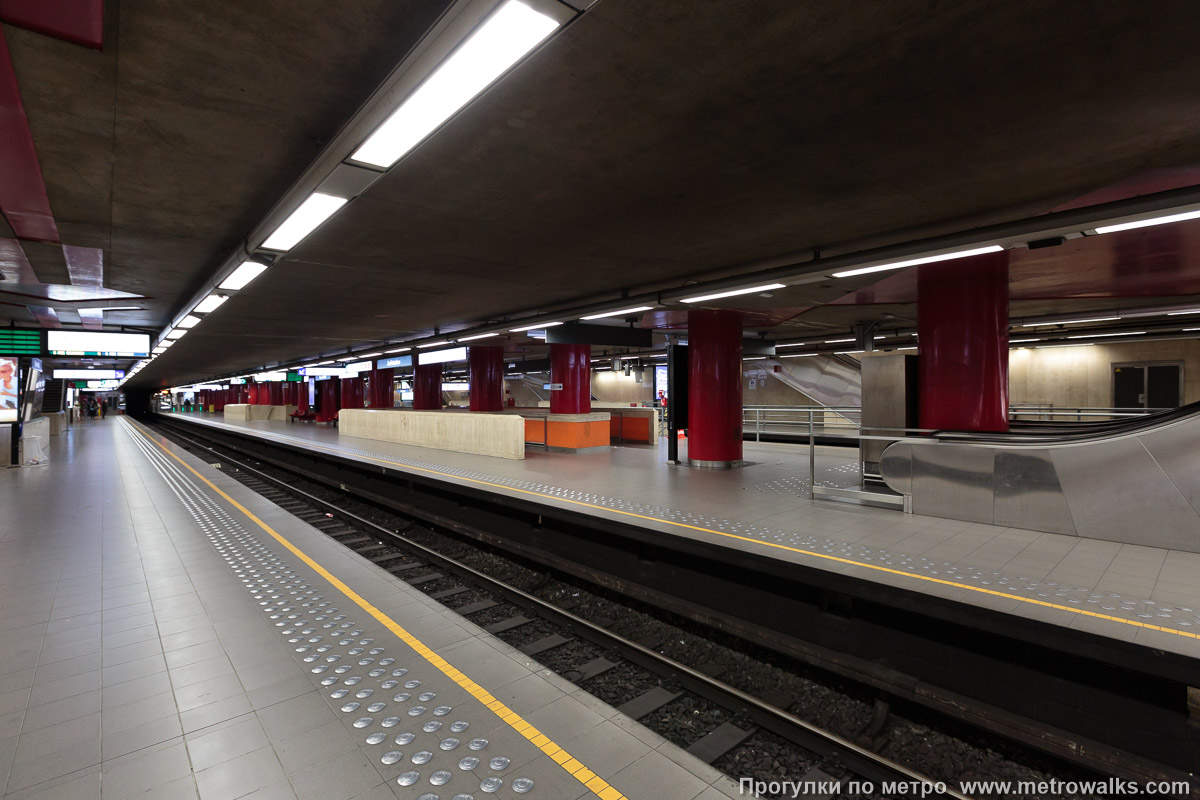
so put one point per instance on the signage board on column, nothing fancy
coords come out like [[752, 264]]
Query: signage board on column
[[552, 387], [9, 389]]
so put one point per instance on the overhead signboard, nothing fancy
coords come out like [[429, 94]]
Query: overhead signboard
[[357, 367], [395, 361], [103, 384], [552, 387], [443, 356], [19, 342], [93, 343], [580, 333], [89, 374]]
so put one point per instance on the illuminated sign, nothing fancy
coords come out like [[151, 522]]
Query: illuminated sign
[[398, 361], [443, 356], [16, 342], [89, 374], [91, 343], [456, 387], [103, 384]]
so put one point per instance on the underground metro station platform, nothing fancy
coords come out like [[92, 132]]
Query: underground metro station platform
[[448, 399]]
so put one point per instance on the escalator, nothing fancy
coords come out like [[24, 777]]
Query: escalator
[[1131, 480]]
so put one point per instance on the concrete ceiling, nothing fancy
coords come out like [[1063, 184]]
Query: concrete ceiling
[[649, 145]]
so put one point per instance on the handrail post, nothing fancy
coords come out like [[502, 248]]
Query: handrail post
[[812, 458], [758, 424]]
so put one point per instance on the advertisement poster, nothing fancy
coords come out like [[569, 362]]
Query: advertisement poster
[[8, 389]]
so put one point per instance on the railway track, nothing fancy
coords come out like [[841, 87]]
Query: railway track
[[684, 699]]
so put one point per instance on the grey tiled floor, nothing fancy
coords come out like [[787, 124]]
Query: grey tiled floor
[[765, 507], [151, 645]]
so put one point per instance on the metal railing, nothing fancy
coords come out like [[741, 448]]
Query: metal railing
[[1050, 413], [796, 420]]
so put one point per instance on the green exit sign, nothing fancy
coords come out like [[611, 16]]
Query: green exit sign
[[20, 342], [293, 376]]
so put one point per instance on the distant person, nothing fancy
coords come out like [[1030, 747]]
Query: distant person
[[103, 408], [93, 408], [662, 398]]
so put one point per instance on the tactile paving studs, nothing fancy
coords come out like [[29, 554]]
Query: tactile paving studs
[[499, 763], [441, 777], [362, 693], [408, 778], [404, 738], [376, 738], [353, 680], [449, 744], [390, 722], [490, 785], [375, 708], [459, 726], [522, 785], [330, 681], [402, 697], [477, 744], [389, 685], [416, 711], [431, 726], [338, 694], [463, 797], [349, 707], [425, 697], [411, 684], [422, 757], [442, 711], [391, 757], [396, 673], [428, 796], [363, 722], [469, 763]]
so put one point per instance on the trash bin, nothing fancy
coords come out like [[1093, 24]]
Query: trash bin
[[32, 454]]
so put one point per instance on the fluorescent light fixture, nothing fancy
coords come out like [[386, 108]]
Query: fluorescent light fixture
[[504, 37], [1101, 335], [1077, 344], [790, 344], [190, 321], [323, 363], [1192, 329], [209, 304], [477, 336], [838, 341], [166, 343], [1019, 341], [304, 220], [912, 262], [1179, 313], [801, 355], [434, 344], [733, 293], [1067, 322], [848, 352], [622, 312], [178, 333], [398, 350], [368, 355], [539, 326], [456, 386], [160, 349], [755, 358], [1145, 223], [248, 271]]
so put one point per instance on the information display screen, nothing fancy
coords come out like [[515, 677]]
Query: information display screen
[[92, 343]]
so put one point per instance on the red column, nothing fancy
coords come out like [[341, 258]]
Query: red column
[[427, 387], [962, 324], [328, 399], [715, 389], [571, 365], [302, 396], [275, 393], [382, 395], [487, 378], [352, 392]]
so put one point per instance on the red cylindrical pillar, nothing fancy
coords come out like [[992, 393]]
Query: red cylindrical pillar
[[251, 392], [302, 396], [382, 395], [329, 398], [715, 389], [427, 387], [352, 392], [275, 393], [487, 378], [962, 326], [571, 365]]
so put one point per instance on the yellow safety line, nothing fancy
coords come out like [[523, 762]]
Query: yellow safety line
[[801, 551], [572, 765]]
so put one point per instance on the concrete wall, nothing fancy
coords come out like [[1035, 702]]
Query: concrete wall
[[768, 390], [1082, 376], [617, 387]]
